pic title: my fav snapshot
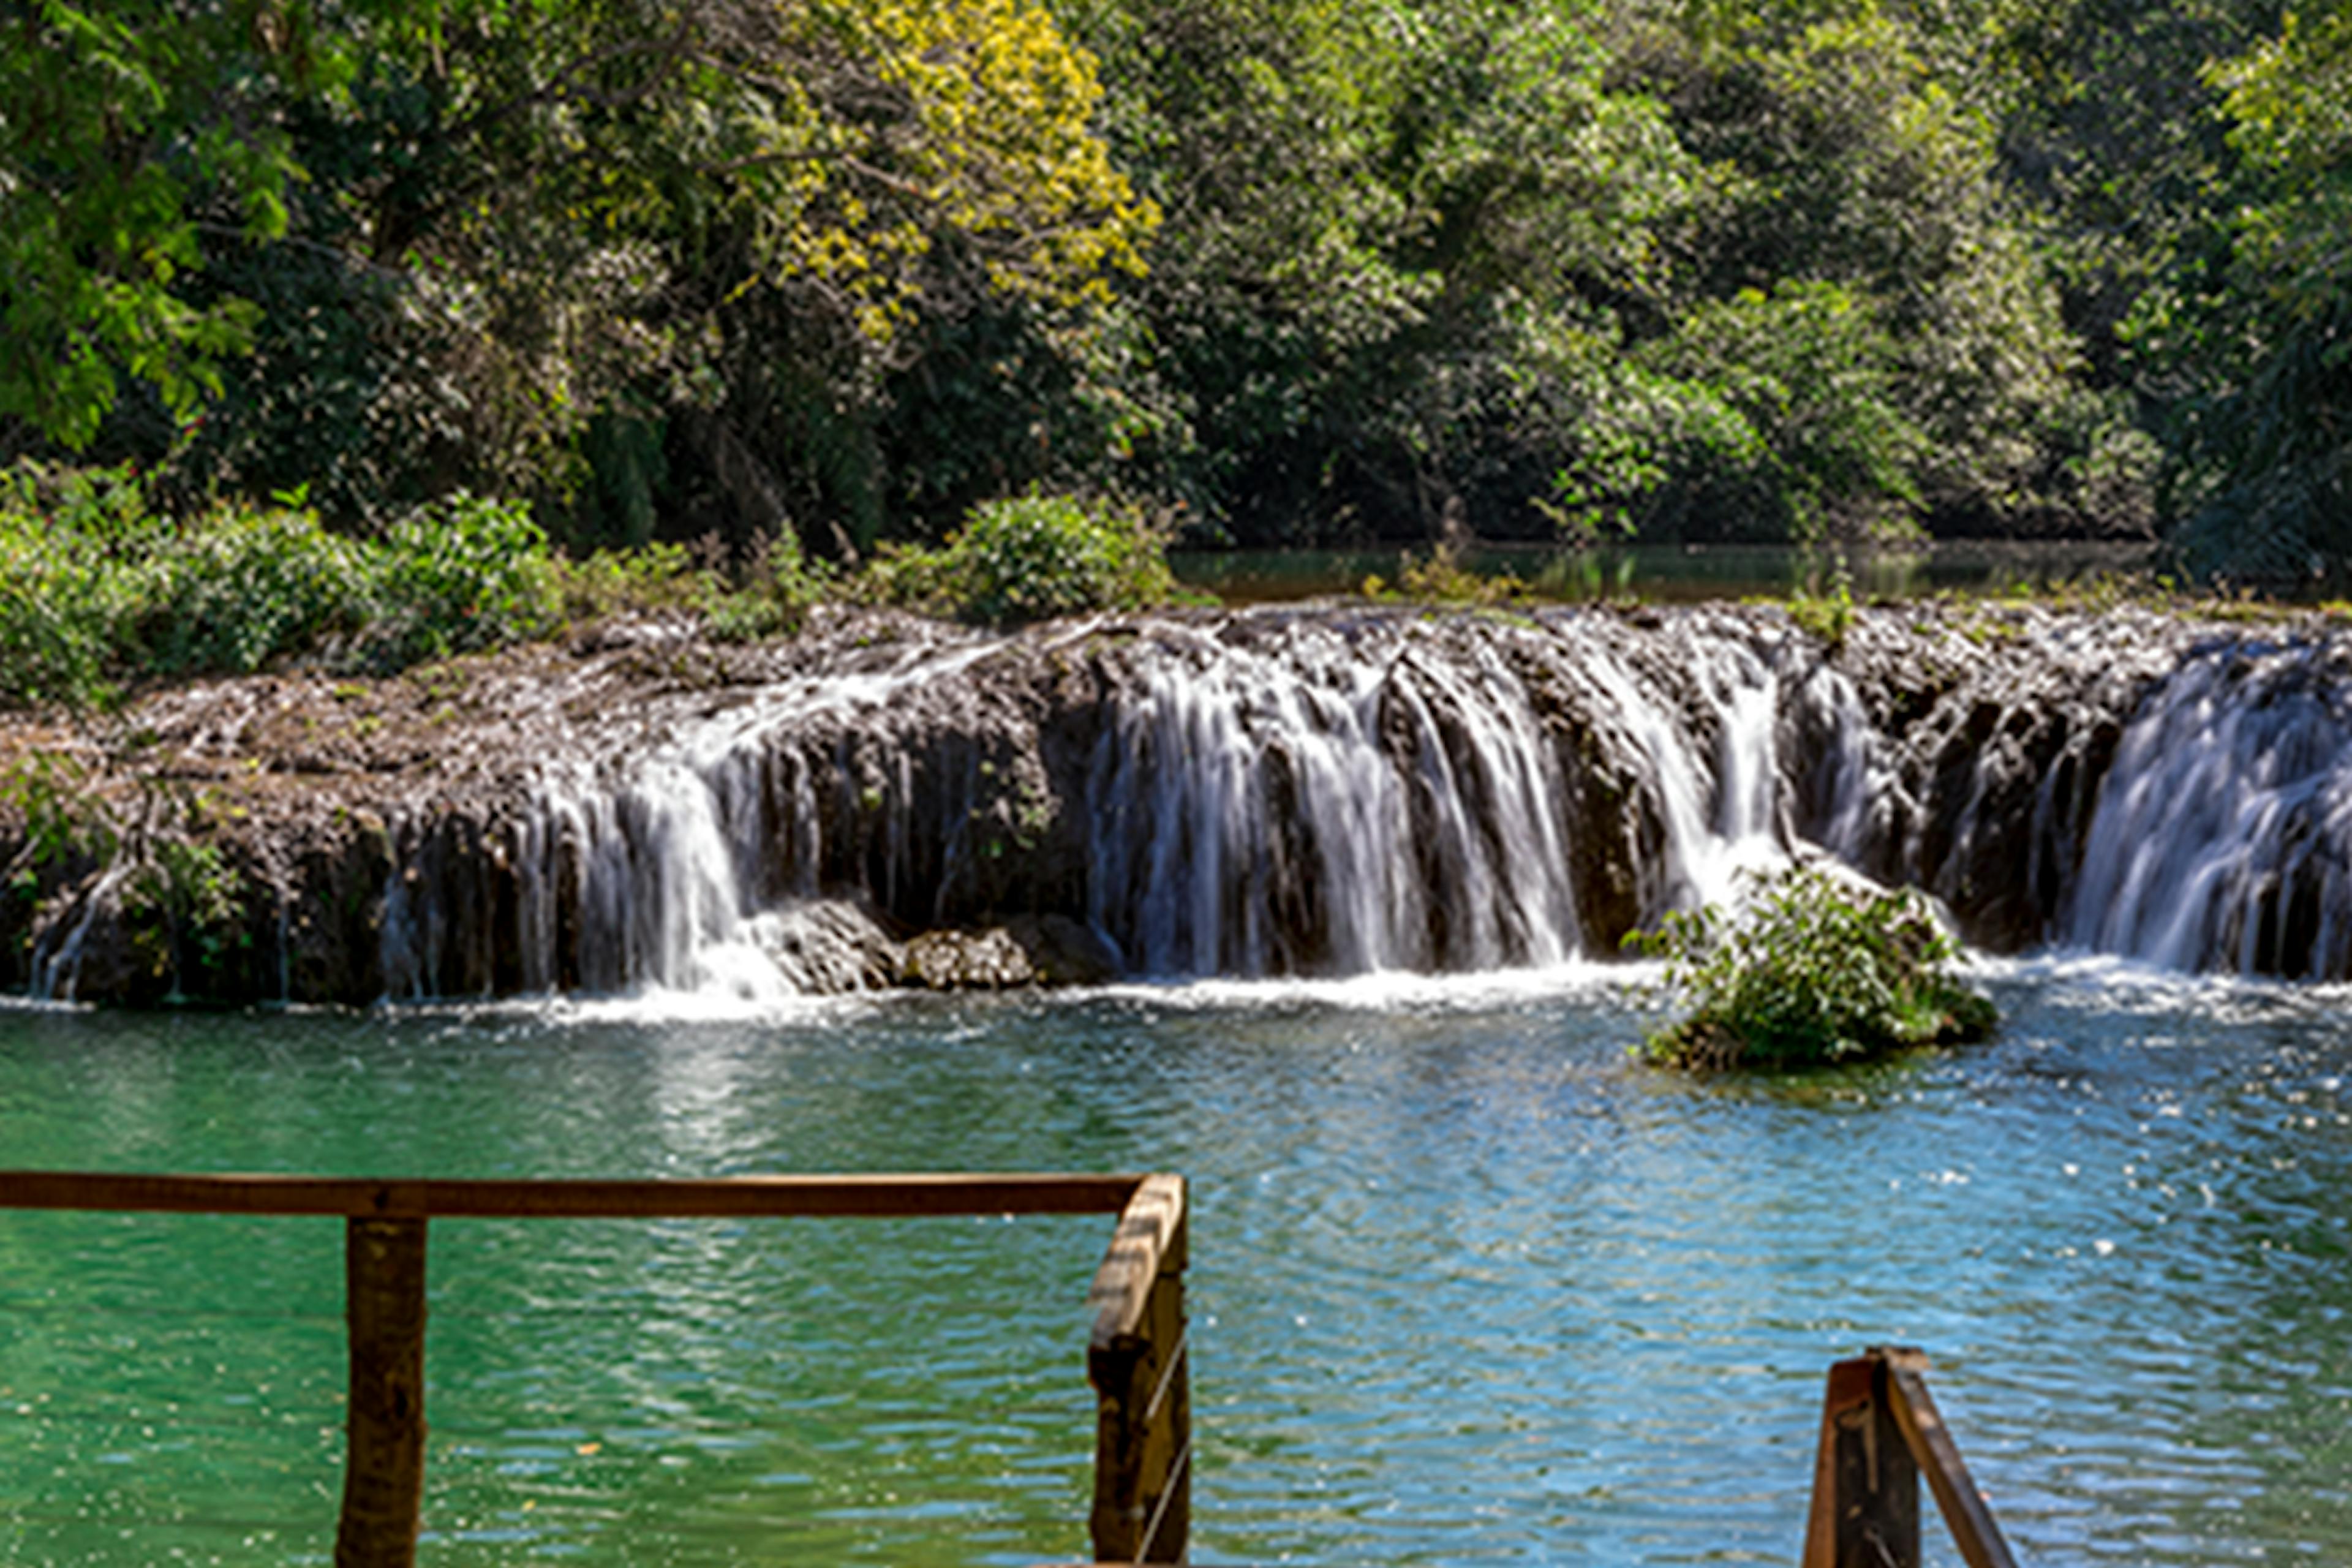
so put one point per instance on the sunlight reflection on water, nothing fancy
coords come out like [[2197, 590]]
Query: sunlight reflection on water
[[1469, 1285]]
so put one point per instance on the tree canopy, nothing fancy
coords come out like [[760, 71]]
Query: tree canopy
[[836, 270]]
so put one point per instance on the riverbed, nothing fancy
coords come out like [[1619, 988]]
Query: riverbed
[[1469, 1285]]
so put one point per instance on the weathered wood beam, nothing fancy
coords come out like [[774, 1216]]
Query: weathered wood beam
[[1865, 1508], [1974, 1528], [384, 1474], [878, 1196], [1137, 1360]]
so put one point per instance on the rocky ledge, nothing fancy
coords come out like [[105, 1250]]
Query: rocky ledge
[[886, 801]]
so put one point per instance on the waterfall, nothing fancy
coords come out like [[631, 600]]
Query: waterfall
[[1396, 798], [1311, 809], [1337, 791], [1720, 802], [2223, 837], [693, 869], [1318, 790], [1312, 795]]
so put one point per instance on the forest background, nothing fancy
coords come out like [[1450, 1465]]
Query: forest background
[[812, 276]]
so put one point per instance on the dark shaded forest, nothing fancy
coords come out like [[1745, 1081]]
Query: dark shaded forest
[[1273, 271]]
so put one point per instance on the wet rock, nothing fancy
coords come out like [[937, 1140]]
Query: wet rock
[[827, 947], [988, 960], [1047, 949], [1064, 951], [333, 927]]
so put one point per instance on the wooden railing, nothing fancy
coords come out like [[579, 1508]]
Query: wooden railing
[[1134, 1356], [1880, 1433], [1136, 1360]]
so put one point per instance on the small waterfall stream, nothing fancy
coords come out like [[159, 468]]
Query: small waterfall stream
[[2223, 838], [1310, 810]]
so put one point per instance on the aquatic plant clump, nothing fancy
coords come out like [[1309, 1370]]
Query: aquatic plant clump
[[1811, 970]]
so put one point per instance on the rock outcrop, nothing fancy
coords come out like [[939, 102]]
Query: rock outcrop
[[886, 801]]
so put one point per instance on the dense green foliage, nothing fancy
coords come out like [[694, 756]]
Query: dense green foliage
[[99, 591], [2266, 435], [1811, 970], [1032, 558], [96, 589], [815, 278]]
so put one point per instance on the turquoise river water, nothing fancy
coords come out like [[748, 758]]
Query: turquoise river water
[[1468, 1285]]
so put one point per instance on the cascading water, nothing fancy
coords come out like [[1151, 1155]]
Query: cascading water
[[1342, 792], [1313, 809], [1305, 796], [2223, 836], [1387, 793], [699, 871]]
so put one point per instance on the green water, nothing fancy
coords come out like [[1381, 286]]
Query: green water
[[1468, 1287]]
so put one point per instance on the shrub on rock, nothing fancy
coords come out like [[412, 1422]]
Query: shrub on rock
[[1811, 970], [1029, 558]]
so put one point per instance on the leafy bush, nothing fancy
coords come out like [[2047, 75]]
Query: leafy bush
[[239, 588], [1029, 558], [63, 821], [1824, 614], [656, 576], [64, 535], [96, 589], [1809, 972], [1442, 578], [769, 595], [459, 574], [778, 589], [184, 908]]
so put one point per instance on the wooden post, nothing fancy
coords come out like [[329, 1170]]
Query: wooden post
[[1137, 1360], [1865, 1511], [383, 1474], [1974, 1528]]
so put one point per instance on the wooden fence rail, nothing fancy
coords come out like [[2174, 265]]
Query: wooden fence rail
[[1880, 1431], [1135, 1354]]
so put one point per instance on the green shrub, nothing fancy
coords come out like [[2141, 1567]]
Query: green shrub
[[236, 589], [1442, 578], [656, 576], [64, 820], [1029, 558], [459, 574], [95, 589], [778, 589], [1824, 614], [66, 536], [1811, 971], [183, 910]]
